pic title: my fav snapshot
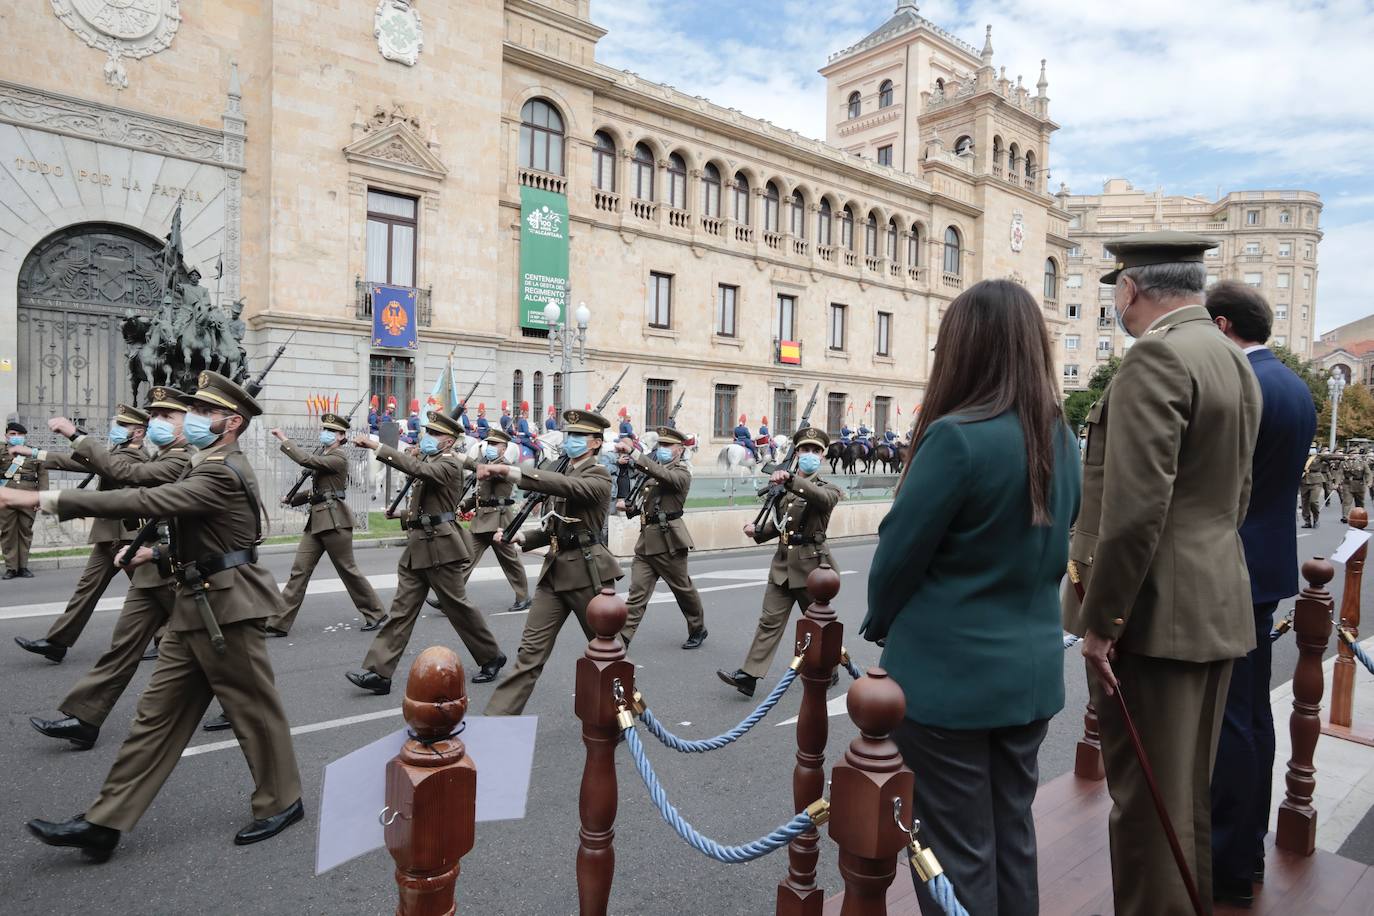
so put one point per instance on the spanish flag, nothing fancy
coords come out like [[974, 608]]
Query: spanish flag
[[789, 352]]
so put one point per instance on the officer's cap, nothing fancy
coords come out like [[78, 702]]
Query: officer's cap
[[585, 422], [441, 424], [218, 391], [812, 436], [14, 426], [668, 436], [497, 434], [1144, 249], [130, 416], [165, 397], [334, 422]]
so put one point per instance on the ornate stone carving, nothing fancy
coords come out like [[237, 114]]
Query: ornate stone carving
[[398, 31], [1018, 231], [391, 139], [121, 28]]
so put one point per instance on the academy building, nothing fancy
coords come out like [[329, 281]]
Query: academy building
[[477, 157]]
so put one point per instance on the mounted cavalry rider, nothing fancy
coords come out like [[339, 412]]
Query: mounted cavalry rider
[[744, 438], [524, 434], [765, 439], [846, 434]]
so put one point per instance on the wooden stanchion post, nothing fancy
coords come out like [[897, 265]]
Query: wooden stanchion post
[[1343, 677], [431, 788], [1087, 760], [596, 705], [1297, 821], [823, 635], [862, 788]]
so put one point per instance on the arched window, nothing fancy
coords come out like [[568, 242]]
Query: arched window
[[677, 182], [963, 145], [1285, 216], [847, 228], [892, 241], [996, 152], [710, 191], [885, 94], [871, 235], [603, 162], [558, 391], [824, 236], [772, 205], [1013, 159], [940, 86], [741, 199], [541, 137], [537, 399], [1051, 280], [517, 390], [644, 172], [798, 215], [854, 105], [1030, 164], [913, 247], [952, 251]]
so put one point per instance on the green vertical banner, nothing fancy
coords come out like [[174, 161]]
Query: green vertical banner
[[543, 254]]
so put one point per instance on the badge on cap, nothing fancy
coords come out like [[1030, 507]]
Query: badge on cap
[[159, 394], [204, 379], [574, 417]]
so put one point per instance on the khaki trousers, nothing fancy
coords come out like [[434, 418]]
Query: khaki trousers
[[1311, 502], [338, 543], [645, 572], [16, 534], [188, 673], [508, 555], [548, 612], [412, 586], [1178, 708], [95, 578], [145, 611], [778, 601]]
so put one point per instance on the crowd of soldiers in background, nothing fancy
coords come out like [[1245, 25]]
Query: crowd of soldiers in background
[[1347, 472]]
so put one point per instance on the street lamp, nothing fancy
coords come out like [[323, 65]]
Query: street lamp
[[1335, 384], [563, 335]]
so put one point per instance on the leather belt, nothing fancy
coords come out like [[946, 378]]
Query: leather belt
[[493, 503], [660, 518], [794, 540], [578, 541], [219, 562], [430, 521], [325, 495]]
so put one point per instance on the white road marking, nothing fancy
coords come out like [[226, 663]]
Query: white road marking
[[298, 730], [663, 597]]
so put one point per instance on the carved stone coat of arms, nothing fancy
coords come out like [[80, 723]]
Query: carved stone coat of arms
[[397, 28]]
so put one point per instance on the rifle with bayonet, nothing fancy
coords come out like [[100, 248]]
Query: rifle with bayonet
[[307, 473], [775, 491], [535, 500], [632, 502], [455, 414]]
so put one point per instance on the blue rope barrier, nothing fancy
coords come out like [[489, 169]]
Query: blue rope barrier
[[853, 669], [1358, 652], [1283, 626], [656, 728], [943, 891], [1070, 640], [747, 852]]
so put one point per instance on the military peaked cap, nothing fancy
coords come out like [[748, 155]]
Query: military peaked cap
[[497, 434], [812, 436], [14, 426], [668, 436], [130, 416], [1144, 249], [333, 421], [584, 421], [218, 391], [164, 397], [442, 424]]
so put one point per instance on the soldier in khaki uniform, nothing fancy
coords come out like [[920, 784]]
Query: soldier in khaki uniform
[[214, 645], [491, 501], [436, 557], [107, 534], [1313, 481], [329, 529], [1354, 480], [1166, 484], [664, 541], [151, 596], [577, 565], [799, 521], [22, 472]]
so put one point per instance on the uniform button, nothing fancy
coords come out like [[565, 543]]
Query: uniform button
[[1119, 622]]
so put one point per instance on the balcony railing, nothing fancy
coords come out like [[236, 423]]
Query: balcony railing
[[712, 224], [679, 219], [952, 281], [744, 233], [850, 258], [801, 247], [644, 209], [544, 181], [873, 263], [362, 301], [827, 252], [917, 274], [790, 358], [772, 239], [606, 200], [894, 269]]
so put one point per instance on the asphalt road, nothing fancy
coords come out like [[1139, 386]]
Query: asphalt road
[[180, 859]]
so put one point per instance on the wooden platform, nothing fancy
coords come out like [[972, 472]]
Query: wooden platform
[[1075, 866]]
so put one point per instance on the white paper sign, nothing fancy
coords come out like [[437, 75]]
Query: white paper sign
[[1354, 538], [353, 791]]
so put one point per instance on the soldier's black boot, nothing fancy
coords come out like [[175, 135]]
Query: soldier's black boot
[[371, 681], [742, 682], [72, 729], [519, 606], [490, 670], [265, 828], [49, 650], [695, 639], [218, 724], [374, 624], [95, 842]]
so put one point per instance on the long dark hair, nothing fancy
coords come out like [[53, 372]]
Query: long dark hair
[[994, 355]]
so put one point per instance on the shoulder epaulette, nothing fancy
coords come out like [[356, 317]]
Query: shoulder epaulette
[[209, 458]]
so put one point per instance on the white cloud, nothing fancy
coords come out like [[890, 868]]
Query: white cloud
[[1345, 281]]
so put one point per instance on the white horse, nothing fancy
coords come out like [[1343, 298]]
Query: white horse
[[736, 461]]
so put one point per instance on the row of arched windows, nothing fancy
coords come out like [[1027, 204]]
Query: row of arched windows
[[1016, 159], [854, 104], [537, 400]]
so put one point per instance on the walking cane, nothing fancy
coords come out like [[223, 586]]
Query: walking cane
[[1184, 872]]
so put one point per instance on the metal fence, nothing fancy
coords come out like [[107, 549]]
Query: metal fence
[[716, 490]]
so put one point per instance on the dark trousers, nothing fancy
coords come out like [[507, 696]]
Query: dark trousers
[[1243, 773], [974, 790]]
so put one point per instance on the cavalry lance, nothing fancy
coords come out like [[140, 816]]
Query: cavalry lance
[[775, 491], [455, 414], [307, 473]]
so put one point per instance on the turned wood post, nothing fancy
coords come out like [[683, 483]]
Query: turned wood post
[[1297, 820], [431, 788], [1087, 760], [823, 635], [862, 788], [595, 704], [1343, 677]]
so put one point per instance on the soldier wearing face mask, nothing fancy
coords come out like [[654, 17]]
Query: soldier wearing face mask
[[490, 503], [22, 472]]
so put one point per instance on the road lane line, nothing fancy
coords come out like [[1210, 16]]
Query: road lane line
[[298, 730]]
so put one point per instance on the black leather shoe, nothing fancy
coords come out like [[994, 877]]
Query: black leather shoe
[[95, 842], [274, 633], [10, 574], [1232, 892], [26, 573], [1258, 876], [834, 677], [1307, 524], [519, 606], [218, 724], [490, 670], [434, 603], [150, 653], [742, 682], [49, 650], [374, 624], [371, 681], [695, 639], [71, 729], [268, 827]]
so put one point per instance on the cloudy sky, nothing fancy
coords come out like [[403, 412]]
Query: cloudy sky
[[1191, 96]]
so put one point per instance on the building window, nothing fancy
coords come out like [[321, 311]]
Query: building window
[[1106, 294], [884, 330], [882, 414], [847, 229], [1307, 251], [885, 94], [1212, 253], [952, 251], [784, 410], [723, 411], [1211, 279], [1307, 217], [391, 230], [834, 412], [823, 224], [741, 198], [1304, 313], [1071, 341], [660, 300], [835, 337], [871, 236], [1254, 279], [1073, 281], [537, 397], [1252, 247], [1070, 372], [1104, 346], [885, 155], [1280, 313], [1302, 344], [1072, 310], [892, 241], [658, 393], [1104, 319], [913, 247], [677, 182], [854, 105], [798, 215], [1285, 217], [1076, 252], [726, 299], [392, 377], [558, 391], [710, 191], [964, 145], [1030, 165], [541, 137], [787, 317], [644, 172], [772, 207], [517, 389], [1284, 280], [603, 162], [1106, 255], [1051, 279], [1252, 217], [1281, 340], [1285, 249]]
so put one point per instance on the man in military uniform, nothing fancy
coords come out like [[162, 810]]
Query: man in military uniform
[[151, 596], [214, 645], [577, 565], [1313, 481], [491, 501], [664, 541], [1354, 480], [22, 472], [106, 535], [436, 556], [329, 529], [1167, 606], [799, 520]]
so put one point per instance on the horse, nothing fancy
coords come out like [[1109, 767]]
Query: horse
[[889, 456], [737, 461], [834, 453]]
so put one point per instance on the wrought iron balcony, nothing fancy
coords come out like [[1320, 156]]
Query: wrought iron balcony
[[362, 301]]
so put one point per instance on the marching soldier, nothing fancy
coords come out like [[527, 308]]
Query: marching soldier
[[1354, 480], [106, 536], [22, 472], [491, 501], [214, 645], [436, 557], [577, 565], [151, 596], [329, 530], [1313, 481], [664, 541], [799, 521]]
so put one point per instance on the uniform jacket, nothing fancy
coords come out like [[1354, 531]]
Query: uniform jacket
[[489, 519], [664, 492], [1166, 483], [1314, 473], [103, 530], [802, 512], [582, 493], [209, 515], [1354, 472], [28, 474], [438, 484], [330, 478]]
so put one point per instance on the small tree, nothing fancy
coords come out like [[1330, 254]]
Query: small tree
[[1077, 405], [1355, 414], [1103, 375], [1311, 374]]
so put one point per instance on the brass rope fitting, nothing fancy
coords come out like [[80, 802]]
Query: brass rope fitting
[[819, 811], [637, 704], [924, 861]]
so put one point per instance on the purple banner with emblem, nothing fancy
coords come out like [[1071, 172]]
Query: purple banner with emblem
[[395, 320]]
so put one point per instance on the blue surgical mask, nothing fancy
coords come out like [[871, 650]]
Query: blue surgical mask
[[490, 453], [118, 434], [429, 445], [809, 463], [328, 437], [198, 432], [663, 455], [161, 432], [15, 440], [575, 446]]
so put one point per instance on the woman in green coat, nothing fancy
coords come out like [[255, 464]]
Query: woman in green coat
[[963, 592]]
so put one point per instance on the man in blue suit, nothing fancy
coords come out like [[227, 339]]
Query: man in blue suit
[[1241, 776]]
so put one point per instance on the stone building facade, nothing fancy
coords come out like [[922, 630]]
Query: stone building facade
[[316, 151], [1269, 239]]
